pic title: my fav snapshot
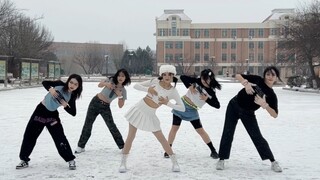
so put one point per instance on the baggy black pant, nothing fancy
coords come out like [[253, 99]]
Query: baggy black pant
[[41, 118], [248, 118], [95, 108]]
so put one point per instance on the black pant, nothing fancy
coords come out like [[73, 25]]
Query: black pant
[[248, 118], [41, 118]]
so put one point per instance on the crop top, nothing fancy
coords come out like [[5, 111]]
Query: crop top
[[171, 93], [195, 98], [110, 94]]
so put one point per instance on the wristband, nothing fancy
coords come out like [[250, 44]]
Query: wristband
[[120, 97]]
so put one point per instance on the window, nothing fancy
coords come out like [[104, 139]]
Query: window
[[206, 57], [174, 31], [260, 45], [233, 45], [178, 57], [179, 45], [251, 56], [197, 57], [233, 57], [251, 45], [224, 45], [160, 32], [224, 33], [206, 33], [233, 33], [169, 58], [274, 31], [224, 57], [169, 45], [260, 57], [174, 18], [185, 32], [251, 33], [260, 32], [197, 33], [206, 45], [197, 45]]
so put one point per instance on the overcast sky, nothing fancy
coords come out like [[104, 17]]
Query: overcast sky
[[132, 22]]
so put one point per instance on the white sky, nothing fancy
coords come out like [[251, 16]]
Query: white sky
[[133, 21], [293, 138]]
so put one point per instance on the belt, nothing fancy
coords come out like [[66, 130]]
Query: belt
[[189, 104], [101, 101]]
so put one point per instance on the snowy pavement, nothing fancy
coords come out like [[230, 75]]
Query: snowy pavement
[[293, 137]]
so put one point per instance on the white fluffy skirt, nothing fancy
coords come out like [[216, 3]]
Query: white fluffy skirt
[[143, 117]]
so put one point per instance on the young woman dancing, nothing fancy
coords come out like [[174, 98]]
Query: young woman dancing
[[143, 115]]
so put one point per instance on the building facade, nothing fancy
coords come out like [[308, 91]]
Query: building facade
[[226, 48]]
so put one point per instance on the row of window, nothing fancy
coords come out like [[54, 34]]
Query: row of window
[[174, 31], [224, 45], [207, 58]]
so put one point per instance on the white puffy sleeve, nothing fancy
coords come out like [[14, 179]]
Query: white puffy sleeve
[[144, 86], [179, 104]]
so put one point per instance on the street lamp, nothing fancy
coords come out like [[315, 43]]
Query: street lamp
[[106, 57]]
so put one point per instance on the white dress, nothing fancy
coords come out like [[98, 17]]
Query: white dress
[[144, 117]]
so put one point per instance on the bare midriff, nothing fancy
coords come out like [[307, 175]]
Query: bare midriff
[[103, 98], [150, 102]]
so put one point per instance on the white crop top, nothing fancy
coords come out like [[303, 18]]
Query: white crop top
[[171, 93]]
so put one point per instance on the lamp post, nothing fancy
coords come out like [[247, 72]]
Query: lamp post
[[212, 61], [247, 60], [106, 58]]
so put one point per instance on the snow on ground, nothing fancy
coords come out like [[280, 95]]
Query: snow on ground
[[293, 138]]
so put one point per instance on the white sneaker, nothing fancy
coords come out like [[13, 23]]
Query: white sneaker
[[72, 165], [79, 150], [275, 166], [220, 165]]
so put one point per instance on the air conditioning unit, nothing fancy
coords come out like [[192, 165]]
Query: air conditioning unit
[[250, 37], [234, 37]]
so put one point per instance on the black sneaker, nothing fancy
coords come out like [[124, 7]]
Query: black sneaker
[[166, 155], [72, 165], [22, 164], [214, 155]]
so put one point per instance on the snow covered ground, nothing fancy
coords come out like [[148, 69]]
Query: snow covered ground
[[293, 137]]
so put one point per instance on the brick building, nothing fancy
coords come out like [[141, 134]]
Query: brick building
[[224, 47]]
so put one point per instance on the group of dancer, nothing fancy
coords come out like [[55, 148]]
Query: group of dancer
[[257, 92]]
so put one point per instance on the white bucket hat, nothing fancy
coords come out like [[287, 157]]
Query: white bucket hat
[[167, 68]]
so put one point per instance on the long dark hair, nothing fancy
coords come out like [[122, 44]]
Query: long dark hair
[[127, 81], [175, 80], [208, 74], [269, 69], [78, 91]]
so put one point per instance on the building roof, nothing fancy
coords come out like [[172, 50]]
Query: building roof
[[174, 12], [278, 13]]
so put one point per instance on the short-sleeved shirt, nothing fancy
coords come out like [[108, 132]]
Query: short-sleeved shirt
[[109, 93]]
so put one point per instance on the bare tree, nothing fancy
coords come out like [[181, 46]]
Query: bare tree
[[301, 38], [90, 58]]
